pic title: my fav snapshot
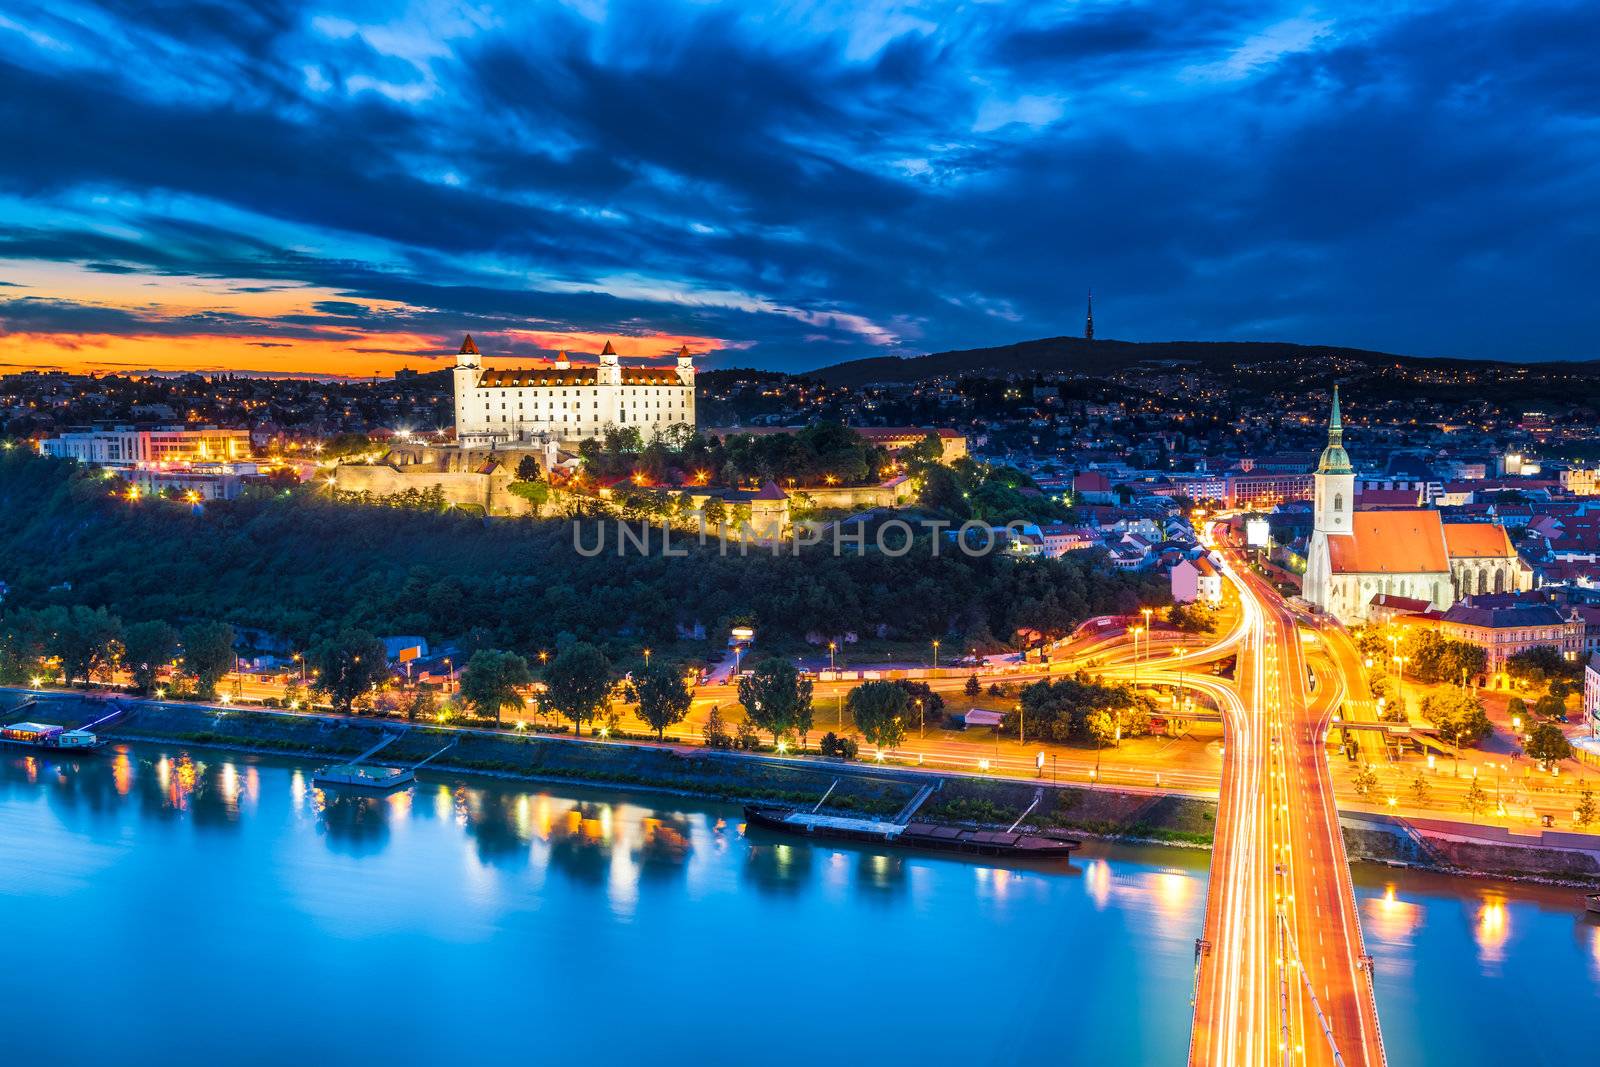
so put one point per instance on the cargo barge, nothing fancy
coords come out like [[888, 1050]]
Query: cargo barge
[[1006, 844]]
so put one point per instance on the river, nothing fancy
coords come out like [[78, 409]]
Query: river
[[163, 906]]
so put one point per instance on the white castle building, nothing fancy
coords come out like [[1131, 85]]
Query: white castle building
[[560, 402], [1410, 552]]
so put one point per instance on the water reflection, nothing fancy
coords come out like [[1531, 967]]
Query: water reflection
[[352, 824], [1391, 919], [783, 866], [1492, 929]]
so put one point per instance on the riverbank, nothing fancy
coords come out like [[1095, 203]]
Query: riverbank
[[1100, 812], [719, 775]]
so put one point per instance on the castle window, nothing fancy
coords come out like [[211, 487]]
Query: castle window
[[1338, 502]]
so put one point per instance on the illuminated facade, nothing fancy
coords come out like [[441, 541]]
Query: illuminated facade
[[557, 401], [162, 446], [1355, 556]]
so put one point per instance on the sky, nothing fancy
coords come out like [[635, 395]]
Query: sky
[[347, 188]]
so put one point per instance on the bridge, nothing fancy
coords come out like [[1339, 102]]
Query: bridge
[[1282, 974]]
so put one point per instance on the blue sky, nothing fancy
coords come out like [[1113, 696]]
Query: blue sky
[[350, 187]]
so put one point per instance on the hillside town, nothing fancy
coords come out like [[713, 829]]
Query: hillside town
[[1479, 520]]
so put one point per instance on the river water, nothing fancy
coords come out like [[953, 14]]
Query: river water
[[163, 906]]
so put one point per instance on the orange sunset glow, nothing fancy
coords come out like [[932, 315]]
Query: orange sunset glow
[[169, 319]]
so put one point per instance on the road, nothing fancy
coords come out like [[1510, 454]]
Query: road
[[1282, 975]]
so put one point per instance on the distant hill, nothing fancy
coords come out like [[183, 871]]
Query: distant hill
[[1066, 354]]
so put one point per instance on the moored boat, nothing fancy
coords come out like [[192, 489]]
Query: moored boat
[[39, 735], [919, 835]]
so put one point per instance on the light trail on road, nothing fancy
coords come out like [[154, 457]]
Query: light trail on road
[[1281, 975]]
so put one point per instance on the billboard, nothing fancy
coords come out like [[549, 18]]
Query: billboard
[[1255, 533]]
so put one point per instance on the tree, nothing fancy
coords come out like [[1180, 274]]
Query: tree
[[1538, 665], [879, 710], [1547, 744], [1476, 799], [837, 747], [923, 694], [1458, 715], [1419, 790], [23, 644], [1550, 706], [716, 729], [776, 698], [348, 665], [1102, 727], [86, 639], [1585, 812], [528, 469], [1193, 618], [1431, 657], [146, 647], [207, 655], [578, 683], [972, 688], [664, 697], [1517, 709], [1365, 780], [491, 679]]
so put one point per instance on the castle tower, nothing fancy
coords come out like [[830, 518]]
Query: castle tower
[[464, 379], [610, 370], [1088, 319], [685, 366]]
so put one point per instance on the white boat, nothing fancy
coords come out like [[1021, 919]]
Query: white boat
[[50, 737]]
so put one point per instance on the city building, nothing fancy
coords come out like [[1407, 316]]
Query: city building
[[1502, 632], [154, 446], [1354, 556], [1261, 490], [193, 486], [952, 444], [558, 401], [1581, 482], [1591, 694], [1196, 579]]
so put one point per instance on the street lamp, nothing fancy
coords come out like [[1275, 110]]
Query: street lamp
[[647, 658], [1137, 630], [922, 721], [935, 653], [833, 646]]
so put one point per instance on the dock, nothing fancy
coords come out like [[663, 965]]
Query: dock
[[378, 777]]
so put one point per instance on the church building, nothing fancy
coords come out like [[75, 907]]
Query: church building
[[1355, 556], [560, 402]]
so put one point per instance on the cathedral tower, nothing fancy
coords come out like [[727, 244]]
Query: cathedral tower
[[1333, 501], [1334, 491]]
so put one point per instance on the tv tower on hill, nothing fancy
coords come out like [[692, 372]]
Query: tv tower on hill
[[1088, 319]]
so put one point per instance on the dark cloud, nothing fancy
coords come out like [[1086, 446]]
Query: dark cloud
[[1416, 180]]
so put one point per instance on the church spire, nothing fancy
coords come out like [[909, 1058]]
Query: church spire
[[1088, 319], [1335, 460]]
